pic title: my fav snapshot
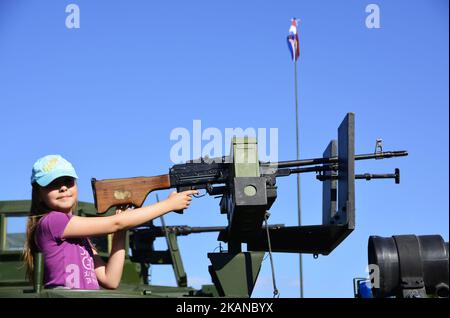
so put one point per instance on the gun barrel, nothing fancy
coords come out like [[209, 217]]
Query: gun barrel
[[315, 161], [288, 171], [204, 229], [382, 155], [160, 231], [184, 229], [370, 176]]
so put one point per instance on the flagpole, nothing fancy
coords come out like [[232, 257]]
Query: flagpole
[[298, 174]]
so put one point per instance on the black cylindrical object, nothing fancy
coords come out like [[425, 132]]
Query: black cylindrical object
[[402, 260]]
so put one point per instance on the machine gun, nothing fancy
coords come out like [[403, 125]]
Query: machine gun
[[248, 189]]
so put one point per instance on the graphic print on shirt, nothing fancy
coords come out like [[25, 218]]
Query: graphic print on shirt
[[73, 278], [88, 267]]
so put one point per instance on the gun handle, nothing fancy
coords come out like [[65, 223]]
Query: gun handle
[[179, 211]]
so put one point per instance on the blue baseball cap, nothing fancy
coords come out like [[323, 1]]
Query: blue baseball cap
[[49, 168]]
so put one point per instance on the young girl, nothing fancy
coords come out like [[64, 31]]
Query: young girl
[[70, 261]]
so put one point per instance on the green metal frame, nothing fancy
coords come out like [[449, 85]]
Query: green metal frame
[[234, 273]]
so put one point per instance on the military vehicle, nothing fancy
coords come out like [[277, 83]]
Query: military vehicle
[[248, 189], [134, 283]]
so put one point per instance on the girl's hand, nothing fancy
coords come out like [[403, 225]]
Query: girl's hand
[[180, 201]]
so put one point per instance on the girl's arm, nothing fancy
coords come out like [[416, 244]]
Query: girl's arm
[[109, 275], [85, 227]]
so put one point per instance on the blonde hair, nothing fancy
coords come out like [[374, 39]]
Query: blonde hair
[[37, 211]]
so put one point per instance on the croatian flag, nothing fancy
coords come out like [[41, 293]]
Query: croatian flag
[[292, 41]]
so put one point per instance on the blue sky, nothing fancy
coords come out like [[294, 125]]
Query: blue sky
[[107, 95]]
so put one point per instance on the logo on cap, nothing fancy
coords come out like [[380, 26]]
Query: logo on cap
[[49, 166]]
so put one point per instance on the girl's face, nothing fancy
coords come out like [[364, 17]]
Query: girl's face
[[61, 194]]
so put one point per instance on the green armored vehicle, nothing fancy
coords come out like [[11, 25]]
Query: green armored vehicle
[[134, 283]]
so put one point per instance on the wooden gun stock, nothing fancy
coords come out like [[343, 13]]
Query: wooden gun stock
[[124, 191]]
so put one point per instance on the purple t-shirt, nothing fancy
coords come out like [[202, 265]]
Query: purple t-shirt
[[67, 262]]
